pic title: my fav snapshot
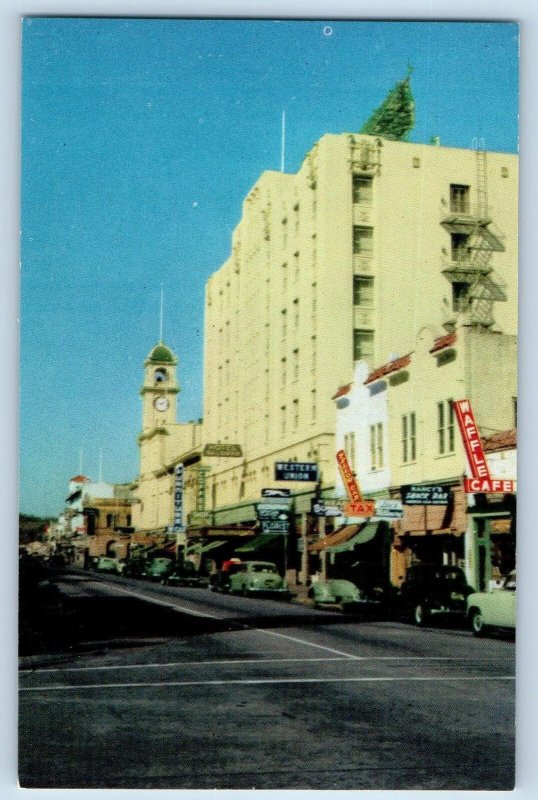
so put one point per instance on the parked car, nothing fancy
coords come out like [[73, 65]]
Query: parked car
[[335, 592], [184, 573], [158, 569], [108, 564], [134, 568], [430, 590], [220, 581], [494, 609], [258, 577]]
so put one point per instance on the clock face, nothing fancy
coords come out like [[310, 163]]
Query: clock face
[[161, 403]]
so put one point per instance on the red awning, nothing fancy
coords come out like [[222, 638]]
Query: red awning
[[387, 369]]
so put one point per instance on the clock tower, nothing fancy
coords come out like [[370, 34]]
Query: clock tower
[[160, 389]]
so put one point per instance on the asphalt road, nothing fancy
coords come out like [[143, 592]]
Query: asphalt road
[[245, 693]]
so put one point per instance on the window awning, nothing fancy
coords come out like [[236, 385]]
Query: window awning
[[258, 543], [211, 545], [366, 534], [346, 538], [338, 537]]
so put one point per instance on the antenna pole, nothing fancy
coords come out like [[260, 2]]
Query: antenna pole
[[283, 143], [100, 466], [161, 318]]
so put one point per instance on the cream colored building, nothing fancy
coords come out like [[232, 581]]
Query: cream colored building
[[344, 261], [164, 443], [398, 427]]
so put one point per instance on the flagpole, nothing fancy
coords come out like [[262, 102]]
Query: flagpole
[[283, 143]]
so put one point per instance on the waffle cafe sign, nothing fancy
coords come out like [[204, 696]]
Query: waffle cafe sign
[[480, 480]]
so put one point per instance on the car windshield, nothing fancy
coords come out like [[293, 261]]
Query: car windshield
[[263, 568]]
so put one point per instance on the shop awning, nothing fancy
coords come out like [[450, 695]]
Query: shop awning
[[258, 543], [366, 534], [211, 545], [338, 537]]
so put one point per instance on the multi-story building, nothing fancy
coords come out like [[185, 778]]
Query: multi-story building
[[398, 427], [370, 241]]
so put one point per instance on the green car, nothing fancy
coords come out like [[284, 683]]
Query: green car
[[336, 592], [494, 609], [258, 577], [158, 569], [108, 564]]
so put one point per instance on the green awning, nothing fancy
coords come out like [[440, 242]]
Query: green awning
[[366, 534], [258, 543], [211, 545]]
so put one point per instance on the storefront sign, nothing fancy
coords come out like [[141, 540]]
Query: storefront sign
[[488, 486], [271, 511], [178, 499], [348, 477], [365, 508], [275, 526], [296, 471], [319, 509], [425, 495], [223, 450], [389, 509], [471, 439]]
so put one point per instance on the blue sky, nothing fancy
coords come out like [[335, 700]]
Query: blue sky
[[140, 139]]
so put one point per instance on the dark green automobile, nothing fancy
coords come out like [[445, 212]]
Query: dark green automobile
[[158, 569], [108, 564]]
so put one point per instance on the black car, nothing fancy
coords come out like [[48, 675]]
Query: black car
[[430, 590], [185, 574]]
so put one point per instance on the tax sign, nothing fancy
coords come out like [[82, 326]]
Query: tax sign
[[481, 481], [357, 507]]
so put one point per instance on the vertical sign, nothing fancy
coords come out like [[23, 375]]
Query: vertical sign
[[481, 480], [357, 507], [178, 499]]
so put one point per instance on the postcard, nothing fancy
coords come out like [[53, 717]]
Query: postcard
[[269, 343]]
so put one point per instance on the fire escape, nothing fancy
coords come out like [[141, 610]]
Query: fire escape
[[473, 242]]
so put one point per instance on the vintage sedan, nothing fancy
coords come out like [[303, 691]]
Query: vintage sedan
[[184, 573], [158, 569], [258, 578], [108, 564], [433, 590], [494, 609], [334, 592]]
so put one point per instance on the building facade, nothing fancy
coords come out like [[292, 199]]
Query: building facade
[[343, 262]]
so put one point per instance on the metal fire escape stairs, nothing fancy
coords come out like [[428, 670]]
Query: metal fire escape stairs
[[470, 265]]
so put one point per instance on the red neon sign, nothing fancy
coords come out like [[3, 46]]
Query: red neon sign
[[471, 439], [349, 479]]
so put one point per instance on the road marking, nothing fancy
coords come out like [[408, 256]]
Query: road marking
[[174, 606], [350, 656], [264, 681], [211, 662]]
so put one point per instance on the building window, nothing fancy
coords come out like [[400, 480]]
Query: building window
[[460, 296], [296, 364], [363, 290], [296, 266], [459, 247], [314, 405], [362, 189], [409, 437], [283, 372], [284, 232], [376, 446], [296, 313], [129, 520], [284, 276], [283, 420], [459, 198], [445, 427], [160, 376], [284, 323], [314, 353], [363, 345], [362, 240], [295, 414], [349, 447], [109, 520]]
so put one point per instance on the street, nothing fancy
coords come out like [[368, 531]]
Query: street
[[240, 693]]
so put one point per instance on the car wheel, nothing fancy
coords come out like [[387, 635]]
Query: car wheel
[[477, 623], [420, 615]]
